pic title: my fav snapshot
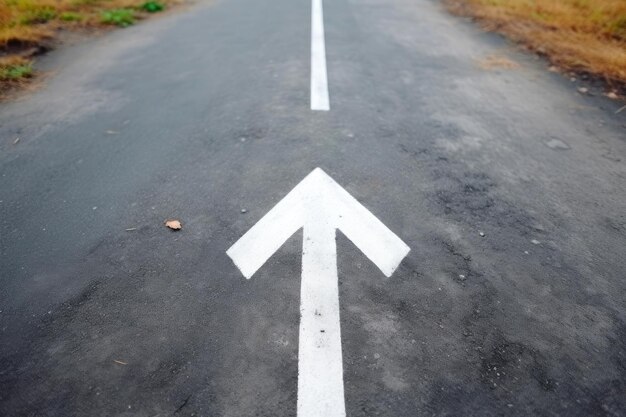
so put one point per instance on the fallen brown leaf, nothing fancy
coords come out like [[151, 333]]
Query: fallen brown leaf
[[173, 224], [496, 61]]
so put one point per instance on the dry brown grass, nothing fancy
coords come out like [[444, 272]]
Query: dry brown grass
[[581, 35], [28, 22], [25, 24]]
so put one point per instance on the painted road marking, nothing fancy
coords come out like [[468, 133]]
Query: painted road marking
[[320, 206], [319, 79]]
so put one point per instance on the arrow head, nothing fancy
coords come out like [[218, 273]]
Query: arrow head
[[318, 202]]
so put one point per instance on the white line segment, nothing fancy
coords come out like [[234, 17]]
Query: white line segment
[[320, 363], [320, 206], [319, 79]]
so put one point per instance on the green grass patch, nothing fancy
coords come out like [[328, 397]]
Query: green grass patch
[[118, 17], [15, 72], [38, 15], [153, 6], [71, 17]]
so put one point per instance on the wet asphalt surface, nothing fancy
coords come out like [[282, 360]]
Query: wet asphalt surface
[[508, 185]]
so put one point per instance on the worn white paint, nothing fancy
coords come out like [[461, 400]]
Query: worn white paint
[[320, 206], [319, 78]]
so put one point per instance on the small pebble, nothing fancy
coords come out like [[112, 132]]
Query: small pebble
[[462, 277], [482, 234], [557, 144], [535, 242], [583, 90], [244, 211]]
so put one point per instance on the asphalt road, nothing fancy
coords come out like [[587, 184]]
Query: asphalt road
[[508, 186]]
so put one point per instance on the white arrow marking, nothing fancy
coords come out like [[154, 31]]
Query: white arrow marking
[[319, 205], [319, 79]]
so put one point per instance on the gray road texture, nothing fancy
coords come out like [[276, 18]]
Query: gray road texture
[[205, 112]]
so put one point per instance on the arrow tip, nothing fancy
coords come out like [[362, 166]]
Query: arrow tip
[[317, 172]]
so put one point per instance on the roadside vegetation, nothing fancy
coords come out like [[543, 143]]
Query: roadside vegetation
[[586, 36], [29, 27]]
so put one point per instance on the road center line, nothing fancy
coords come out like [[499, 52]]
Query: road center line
[[319, 79]]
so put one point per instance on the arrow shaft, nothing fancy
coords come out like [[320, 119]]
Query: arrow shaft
[[320, 365]]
